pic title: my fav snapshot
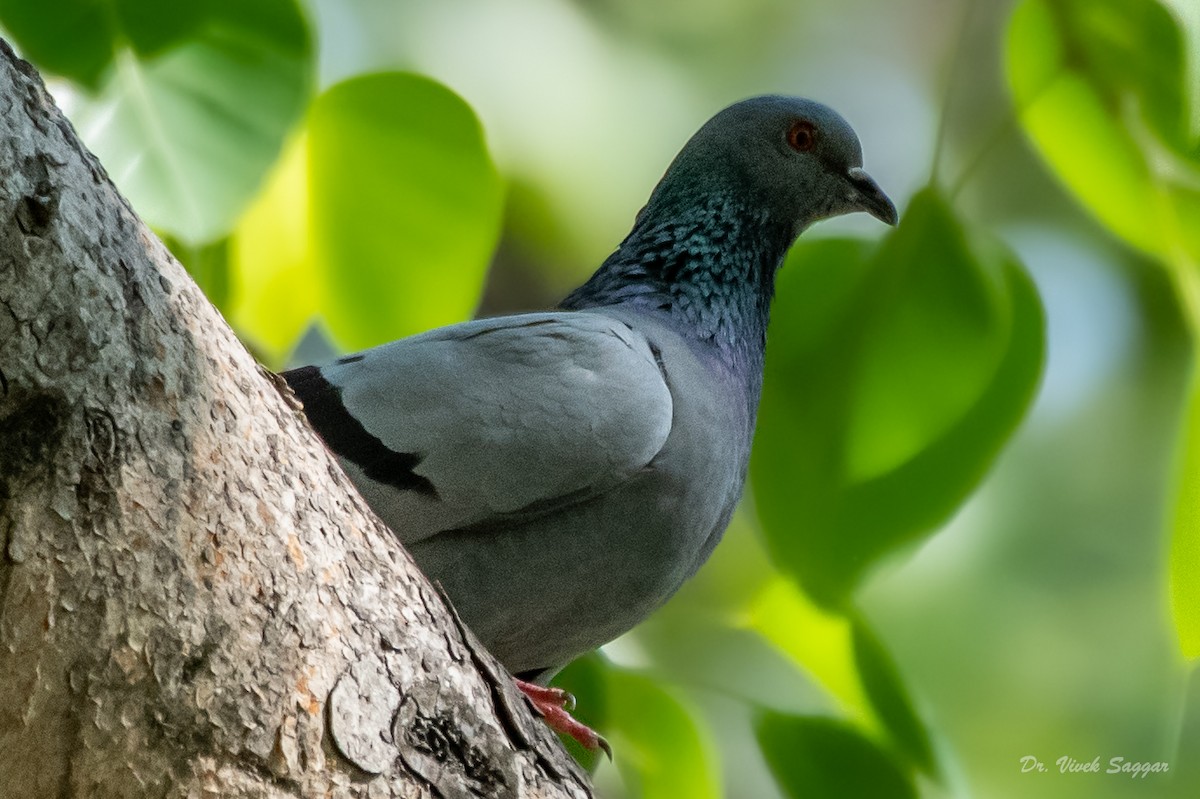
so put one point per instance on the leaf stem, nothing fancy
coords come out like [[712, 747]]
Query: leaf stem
[[952, 69]]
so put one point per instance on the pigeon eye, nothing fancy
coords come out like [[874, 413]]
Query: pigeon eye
[[802, 136]]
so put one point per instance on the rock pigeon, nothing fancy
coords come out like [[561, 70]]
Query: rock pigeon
[[562, 473]]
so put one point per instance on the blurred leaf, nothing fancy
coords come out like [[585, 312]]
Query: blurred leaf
[[586, 679], [1185, 543], [275, 289], [188, 131], [658, 745], [813, 756], [381, 220], [846, 658], [208, 264], [150, 26], [405, 203], [894, 376], [77, 39], [657, 742], [72, 38], [1106, 96], [890, 700], [819, 642], [1102, 93]]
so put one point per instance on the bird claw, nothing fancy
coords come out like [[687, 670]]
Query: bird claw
[[546, 695], [555, 706]]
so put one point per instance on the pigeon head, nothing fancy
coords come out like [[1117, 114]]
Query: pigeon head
[[795, 159], [705, 249]]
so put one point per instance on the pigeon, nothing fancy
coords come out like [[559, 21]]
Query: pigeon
[[562, 473]]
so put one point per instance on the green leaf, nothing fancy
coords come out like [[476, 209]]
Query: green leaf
[[77, 39], [1107, 98], [1103, 93], [817, 756], [850, 663], [889, 698], [1185, 543], [818, 641], [274, 282], [380, 219], [151, 26], [406, 207], [188, 131], [72, 38], [894, 376], [661, 750]]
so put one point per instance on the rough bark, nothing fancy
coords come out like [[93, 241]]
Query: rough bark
[[193, 599]]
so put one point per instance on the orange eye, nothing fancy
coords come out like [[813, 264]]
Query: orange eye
[[802, 136]]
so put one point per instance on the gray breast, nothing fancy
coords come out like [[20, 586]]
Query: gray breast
[[544, 590]]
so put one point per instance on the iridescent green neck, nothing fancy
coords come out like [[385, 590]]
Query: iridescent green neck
[[709, 266]]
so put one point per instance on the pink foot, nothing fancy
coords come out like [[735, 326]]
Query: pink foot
[[554, 705]]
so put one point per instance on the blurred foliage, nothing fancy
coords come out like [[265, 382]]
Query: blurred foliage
[[186, 111], [1104, 90], [903, 368], [819, 756], [883, 686], [386, 199], [659, 746], [1185, 545], [664, 754], [845, 656], [368, 208], [79, 40], [1101, 90]]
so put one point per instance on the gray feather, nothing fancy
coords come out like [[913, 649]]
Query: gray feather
[[561, 474]]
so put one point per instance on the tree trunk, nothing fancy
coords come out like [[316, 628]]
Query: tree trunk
[[193, 599]]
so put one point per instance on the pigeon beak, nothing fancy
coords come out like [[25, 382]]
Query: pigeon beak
[[866, 195]]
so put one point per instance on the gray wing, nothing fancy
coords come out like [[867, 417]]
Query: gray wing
[[491, 420]]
